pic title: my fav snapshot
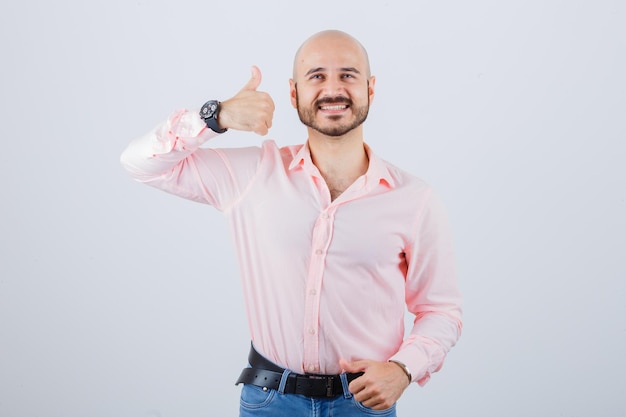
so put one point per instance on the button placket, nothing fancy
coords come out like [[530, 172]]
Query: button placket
[[322, 234]]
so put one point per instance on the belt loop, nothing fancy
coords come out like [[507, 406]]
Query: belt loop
[[344, 384], [283, 381]]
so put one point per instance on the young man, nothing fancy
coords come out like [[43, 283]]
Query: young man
[[333, 243]]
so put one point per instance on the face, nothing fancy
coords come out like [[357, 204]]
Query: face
[[332, 88]]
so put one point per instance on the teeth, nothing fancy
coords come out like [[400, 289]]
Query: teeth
[[338, 107]]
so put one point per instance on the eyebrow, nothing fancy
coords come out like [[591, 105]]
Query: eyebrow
[[321, 69]]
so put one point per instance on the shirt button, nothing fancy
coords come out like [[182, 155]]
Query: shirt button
[[324, 215], [311, 368], [318, 252], [312, 331], [312, 292]]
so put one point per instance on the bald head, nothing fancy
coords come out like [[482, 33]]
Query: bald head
[[326, 43]]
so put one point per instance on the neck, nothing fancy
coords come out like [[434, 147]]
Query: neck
[[340, 160]]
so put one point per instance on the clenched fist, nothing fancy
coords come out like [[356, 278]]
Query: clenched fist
[[249, 110]]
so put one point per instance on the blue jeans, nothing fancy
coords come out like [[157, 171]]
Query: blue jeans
[[275, 403]]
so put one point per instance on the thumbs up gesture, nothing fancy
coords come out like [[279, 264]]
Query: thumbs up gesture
[[249, 110]]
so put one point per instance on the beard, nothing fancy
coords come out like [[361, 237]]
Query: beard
[[307, 115]]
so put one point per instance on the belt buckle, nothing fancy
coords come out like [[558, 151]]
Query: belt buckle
[[330, 382]]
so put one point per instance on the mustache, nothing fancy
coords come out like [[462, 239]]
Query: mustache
[[333, 100]]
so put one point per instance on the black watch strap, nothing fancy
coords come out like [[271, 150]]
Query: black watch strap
[[209, 113]]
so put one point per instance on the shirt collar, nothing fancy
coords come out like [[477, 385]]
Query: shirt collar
[[303, 154], [377, 170]]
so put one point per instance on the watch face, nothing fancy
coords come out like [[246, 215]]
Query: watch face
[[208, 110]]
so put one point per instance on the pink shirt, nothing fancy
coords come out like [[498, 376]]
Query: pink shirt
[[322, 279]]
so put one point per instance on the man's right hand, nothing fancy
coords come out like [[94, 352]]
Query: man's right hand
[[249, 110]]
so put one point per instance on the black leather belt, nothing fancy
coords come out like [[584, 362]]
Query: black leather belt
[[266, 374]]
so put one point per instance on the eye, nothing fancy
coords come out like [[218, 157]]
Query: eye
[[316, 77], [349, 76]]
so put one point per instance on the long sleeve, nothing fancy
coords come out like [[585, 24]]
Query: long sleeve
[[170, 158], [431, 294]]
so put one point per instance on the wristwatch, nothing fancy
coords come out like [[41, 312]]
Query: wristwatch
[[209, 112], [404, 368]]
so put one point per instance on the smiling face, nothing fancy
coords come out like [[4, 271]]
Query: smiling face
[[331, 86]]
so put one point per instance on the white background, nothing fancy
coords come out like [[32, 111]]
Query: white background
[[117, 300]]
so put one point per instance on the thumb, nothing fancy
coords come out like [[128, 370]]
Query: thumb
[[255, 79], [352, 367]]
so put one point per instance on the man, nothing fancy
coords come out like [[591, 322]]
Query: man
[[333, 243]]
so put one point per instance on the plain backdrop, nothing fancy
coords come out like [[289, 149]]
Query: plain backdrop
[[118, 300]]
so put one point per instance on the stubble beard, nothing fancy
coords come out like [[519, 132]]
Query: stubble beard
[[307, 115]]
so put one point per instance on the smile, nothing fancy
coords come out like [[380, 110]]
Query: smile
[[335, 107]]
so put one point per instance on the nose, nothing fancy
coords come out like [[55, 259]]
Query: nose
[[334, 87]]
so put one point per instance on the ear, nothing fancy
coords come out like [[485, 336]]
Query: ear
[[371, 87], [292, 93]]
